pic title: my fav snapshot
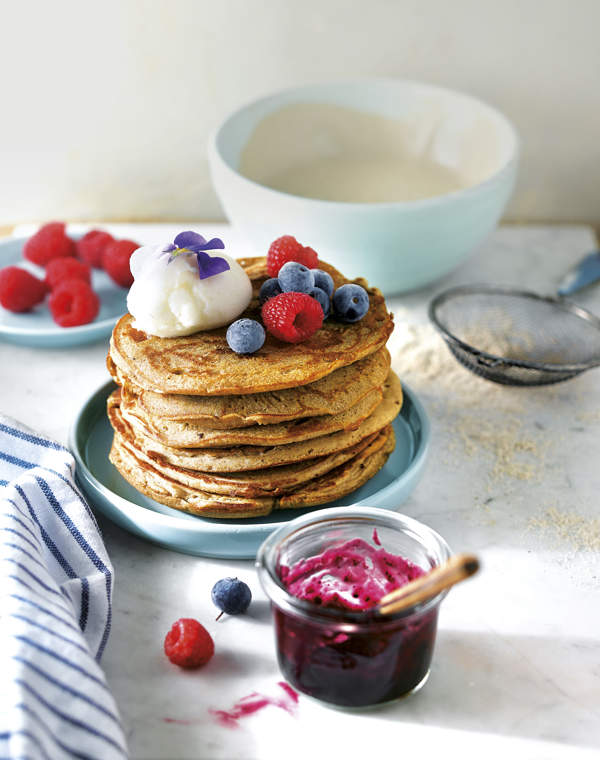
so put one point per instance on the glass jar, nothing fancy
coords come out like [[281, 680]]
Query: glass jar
[[343, 657]]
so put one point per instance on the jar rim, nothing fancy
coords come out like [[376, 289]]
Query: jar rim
[[281, 598]]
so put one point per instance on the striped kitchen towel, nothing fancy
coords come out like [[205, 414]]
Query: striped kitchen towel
[[55, 609]]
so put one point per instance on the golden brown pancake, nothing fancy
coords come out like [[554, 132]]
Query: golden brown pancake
[[241, 458], [268, 482], [333, 485], [332, 394], [203, 364], [191, 435]]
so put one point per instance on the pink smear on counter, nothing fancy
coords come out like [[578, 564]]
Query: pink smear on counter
[[353, 575], [254, 702]]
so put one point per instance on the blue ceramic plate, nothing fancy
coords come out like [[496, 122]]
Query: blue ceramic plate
[[37, 328], [114, 497]]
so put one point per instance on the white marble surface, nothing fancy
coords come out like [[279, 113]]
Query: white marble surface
[[516, 669]]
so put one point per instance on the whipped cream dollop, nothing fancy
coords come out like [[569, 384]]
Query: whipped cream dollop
[[168, 298]]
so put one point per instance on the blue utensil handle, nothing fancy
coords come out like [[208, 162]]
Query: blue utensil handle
[[583, 274]]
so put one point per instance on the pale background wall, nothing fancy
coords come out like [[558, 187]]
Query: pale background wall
[[105, 107]]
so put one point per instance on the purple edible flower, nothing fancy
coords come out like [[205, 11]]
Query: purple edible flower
[[192, 242]]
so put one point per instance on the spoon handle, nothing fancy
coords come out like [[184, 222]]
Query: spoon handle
[[458, 568], [586, 272]]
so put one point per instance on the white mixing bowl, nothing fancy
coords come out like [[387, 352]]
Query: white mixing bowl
[[397, 245]]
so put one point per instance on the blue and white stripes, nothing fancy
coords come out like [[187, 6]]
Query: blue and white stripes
[[55, 609]]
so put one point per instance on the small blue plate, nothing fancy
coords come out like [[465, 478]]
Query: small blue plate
[[37, 328], [113, 496]]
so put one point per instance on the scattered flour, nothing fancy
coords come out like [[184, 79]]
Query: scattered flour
[[478, 416], [578, 532]]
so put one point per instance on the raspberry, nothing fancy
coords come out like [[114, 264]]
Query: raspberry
[[66, 268], [287, 248], [292, 317], [91, 247], [20, 290], [49, 242], [73, 302], [188, 644], [115, 261]]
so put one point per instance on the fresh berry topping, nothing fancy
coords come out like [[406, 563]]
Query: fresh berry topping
[[66, 268], [268, 289], [20, 290], [188, 644], [73, 303], [350, 302], [91, 247], [292, 317], [323, 281], [287, 248], [49, 242], [115, 261], [323, 299], [245, 336], [296, 278], [231, 596]]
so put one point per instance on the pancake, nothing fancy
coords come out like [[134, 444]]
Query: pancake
[[191, 435], [268, 482], [203, 364], [332, 394], [333, 485], [241, 458]]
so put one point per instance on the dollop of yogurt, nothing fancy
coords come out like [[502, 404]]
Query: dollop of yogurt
[[168, 299]]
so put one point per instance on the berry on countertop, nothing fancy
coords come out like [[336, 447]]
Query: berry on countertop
[[322, 297], [268, 289], [19, 290], [295, 278], [350, 302], [91, 247], [66, 268], [245, 336], [188, 644], [49, 242], [231, 595], [292, 317], [287, 248], [115, 261], [324, 281], [73, 303]]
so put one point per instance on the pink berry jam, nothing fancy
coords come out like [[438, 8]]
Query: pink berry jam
[[351, 576], [356, 657]]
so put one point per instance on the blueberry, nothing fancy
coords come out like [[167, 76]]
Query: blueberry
[[245, 336], [323, 281], [231, 595], [268, 289], [322, 297], [350, 302], [295, 277]]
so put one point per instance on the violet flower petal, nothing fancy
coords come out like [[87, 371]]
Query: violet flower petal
[[189, 238], [208, 266], [214, 244]]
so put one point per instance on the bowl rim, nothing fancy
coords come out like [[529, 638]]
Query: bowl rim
[[215, 155]]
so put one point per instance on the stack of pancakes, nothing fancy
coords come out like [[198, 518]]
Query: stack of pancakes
[[202, 429]]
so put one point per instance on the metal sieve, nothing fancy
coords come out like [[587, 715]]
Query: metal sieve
[[515, 337]]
